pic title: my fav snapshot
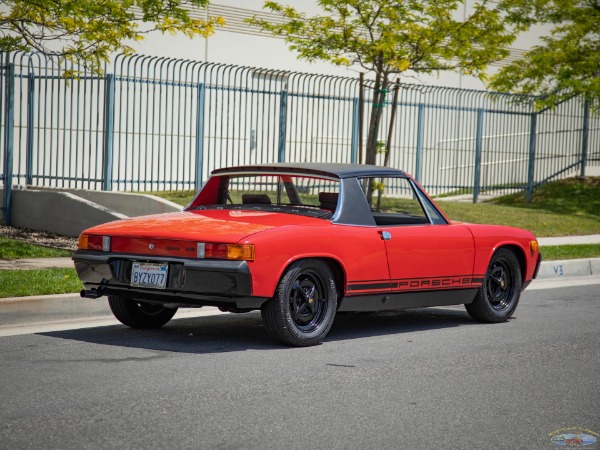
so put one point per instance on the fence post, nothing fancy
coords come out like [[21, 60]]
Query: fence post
[[200, 134], [109, 133], [531, 168], [9, 122], [282, 125], [420, 129], [478, 149], [355, 128], [29, 140], [585, 135]]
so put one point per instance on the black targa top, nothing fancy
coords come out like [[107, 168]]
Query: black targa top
[[334, 170], [352, 208]]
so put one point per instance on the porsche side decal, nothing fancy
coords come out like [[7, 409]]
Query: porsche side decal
[[416, 284]]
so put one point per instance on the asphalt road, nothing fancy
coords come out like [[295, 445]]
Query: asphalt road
[[420, 379]]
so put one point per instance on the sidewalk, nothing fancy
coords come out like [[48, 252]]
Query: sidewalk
[[569, 240], [36, 263]]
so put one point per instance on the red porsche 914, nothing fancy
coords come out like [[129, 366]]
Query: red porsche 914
[[300, 242]]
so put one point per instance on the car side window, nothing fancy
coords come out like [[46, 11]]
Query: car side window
[[393, 201]]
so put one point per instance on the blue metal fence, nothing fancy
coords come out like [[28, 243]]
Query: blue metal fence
[[162, 124]]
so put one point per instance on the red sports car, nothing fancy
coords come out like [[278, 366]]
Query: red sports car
[[300, 242]]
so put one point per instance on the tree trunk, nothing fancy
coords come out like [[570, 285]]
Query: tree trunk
[[388, 143], [361, 113], [372, 134], [379, 93]]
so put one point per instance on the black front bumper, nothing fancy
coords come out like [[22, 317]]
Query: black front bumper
[[191, 282]]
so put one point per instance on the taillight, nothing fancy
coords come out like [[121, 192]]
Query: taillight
[[239, 252], [93, 242]]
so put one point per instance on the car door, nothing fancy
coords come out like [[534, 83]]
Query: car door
[[424, 251], [422, 257]]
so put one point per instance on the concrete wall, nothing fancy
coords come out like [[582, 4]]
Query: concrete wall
[[70, 212], [58, 212], [131, 205]]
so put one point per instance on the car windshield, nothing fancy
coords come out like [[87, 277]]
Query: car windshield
[[291, 194]]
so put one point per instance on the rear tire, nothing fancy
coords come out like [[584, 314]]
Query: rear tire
[[499, 295], [302, 310], [136, 314]]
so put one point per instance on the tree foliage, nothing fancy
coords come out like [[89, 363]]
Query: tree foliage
[[390, 37], [567, 62], [89, 31]]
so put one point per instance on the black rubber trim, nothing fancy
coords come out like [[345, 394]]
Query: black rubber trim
[[396, 301], [537, 266]]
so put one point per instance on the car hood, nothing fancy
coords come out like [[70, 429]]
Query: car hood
[[206, 225]]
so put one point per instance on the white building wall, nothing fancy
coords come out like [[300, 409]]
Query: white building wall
[[239, 43]]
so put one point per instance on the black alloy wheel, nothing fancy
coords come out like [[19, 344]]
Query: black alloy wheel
[[302, 311], [500, 286], [499, 295]]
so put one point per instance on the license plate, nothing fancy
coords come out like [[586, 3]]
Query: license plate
[[149, 275]]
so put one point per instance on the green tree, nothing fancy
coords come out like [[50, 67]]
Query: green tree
[[567, 61], [91, 30], [389, 37]]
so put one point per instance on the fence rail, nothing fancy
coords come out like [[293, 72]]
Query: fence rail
[[162, 124]]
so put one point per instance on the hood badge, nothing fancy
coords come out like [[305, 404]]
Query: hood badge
[[151, 246]]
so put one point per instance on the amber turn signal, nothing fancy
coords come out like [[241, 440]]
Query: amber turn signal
[[83, 242], [533, 245], [92, 242]]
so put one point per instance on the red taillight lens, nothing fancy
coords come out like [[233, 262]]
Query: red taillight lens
[[240, 252]]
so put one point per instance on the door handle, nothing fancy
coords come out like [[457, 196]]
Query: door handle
[[386, 235]]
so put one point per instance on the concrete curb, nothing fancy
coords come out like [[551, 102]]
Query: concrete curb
[[50, 308], [569, 268], [46, 308]]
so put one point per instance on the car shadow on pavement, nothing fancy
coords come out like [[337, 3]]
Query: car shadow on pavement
[[233, 333], [358, 325]]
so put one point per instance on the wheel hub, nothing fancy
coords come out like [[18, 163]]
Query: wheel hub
[[305, 300], [500, 285]]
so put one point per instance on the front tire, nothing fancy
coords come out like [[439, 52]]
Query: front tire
[[499, 295], [136, 314], [302, 310]]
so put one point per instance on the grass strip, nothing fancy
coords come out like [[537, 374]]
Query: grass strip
[[16, 249], [572, 196], [182, 198], [541, 223], [23, 283], [579, 251]]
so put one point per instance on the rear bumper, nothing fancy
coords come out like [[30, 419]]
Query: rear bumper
[[190, 282]]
